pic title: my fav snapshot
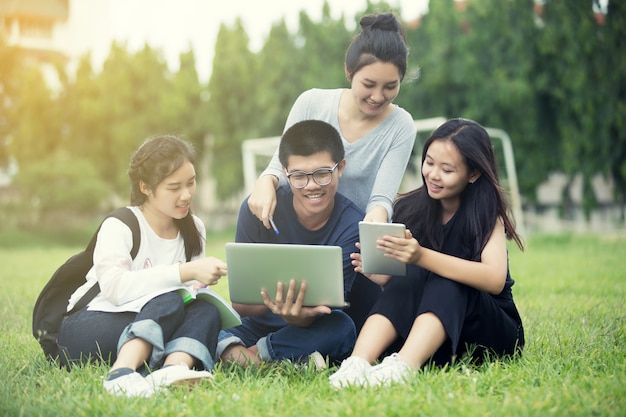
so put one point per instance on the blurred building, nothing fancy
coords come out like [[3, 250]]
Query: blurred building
[[41, 29]]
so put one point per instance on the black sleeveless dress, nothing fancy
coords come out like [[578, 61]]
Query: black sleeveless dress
[[476, 322]]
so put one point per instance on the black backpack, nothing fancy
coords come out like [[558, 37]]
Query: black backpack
[[51, 305]]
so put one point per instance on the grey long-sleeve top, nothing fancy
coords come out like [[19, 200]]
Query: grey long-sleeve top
[[375, 163]]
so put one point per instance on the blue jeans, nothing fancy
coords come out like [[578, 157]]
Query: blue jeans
[[165, 322], [332, 335]]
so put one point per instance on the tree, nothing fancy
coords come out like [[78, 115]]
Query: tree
[[186, 102], [282, 74], [583, 85], [558, 89], [111, 113], [60, 183], [10, 67], [232, 108], [322, 47], [289, 64], [36, 127]]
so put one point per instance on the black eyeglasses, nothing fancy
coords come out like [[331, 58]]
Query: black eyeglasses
[[321, 176]]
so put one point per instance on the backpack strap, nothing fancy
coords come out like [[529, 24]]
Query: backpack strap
[[128, 217]]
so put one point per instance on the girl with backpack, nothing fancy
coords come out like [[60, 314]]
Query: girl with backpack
[[138, 321]]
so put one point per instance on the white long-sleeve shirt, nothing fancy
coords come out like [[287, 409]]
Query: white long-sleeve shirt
[[127, 284]]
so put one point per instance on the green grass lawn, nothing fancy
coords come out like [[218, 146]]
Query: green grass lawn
[[570, 291]]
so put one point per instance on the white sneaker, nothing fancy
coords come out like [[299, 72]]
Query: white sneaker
[[318, 361], [176, 374], [352, 372], [130, 385], [391, 370]]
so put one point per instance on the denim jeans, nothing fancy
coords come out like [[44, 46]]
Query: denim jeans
[[332, 335], [165, 322]]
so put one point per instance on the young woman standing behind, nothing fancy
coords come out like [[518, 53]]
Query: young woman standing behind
[[138, 318], [456, 298], [378, 136]]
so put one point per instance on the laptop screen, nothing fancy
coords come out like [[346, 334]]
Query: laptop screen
[[256, 266]]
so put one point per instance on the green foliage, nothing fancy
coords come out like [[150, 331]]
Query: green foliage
[[558, 90], [281, 72], [251, 93], [584, 84], [60, 183], [187, 102], [134, 97], [34, 118], [11, 65], [477, 64], [232, 108], [322, 48], [569, 290]]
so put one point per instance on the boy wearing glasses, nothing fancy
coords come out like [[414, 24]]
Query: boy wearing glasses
[[308, 211]]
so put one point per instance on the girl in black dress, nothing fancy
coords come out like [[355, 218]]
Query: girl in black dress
[[456, 298]]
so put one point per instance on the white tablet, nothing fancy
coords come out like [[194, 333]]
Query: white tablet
[[374, 260]]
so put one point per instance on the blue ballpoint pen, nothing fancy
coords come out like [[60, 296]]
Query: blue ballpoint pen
[[273, 224]]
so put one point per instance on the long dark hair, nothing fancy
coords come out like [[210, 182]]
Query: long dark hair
[[482, 202], [381, 39], [155, 160]]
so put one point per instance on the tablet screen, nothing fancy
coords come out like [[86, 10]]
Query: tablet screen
[[373, 260]]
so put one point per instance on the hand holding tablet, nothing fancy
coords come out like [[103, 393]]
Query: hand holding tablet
[[374, 260]]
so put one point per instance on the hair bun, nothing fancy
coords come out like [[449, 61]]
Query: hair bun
[[386, 21]]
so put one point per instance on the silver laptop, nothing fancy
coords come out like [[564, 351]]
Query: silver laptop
[[256, 266]]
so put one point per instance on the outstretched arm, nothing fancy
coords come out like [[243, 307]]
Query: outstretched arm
[[262, 200], [487, 275]]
